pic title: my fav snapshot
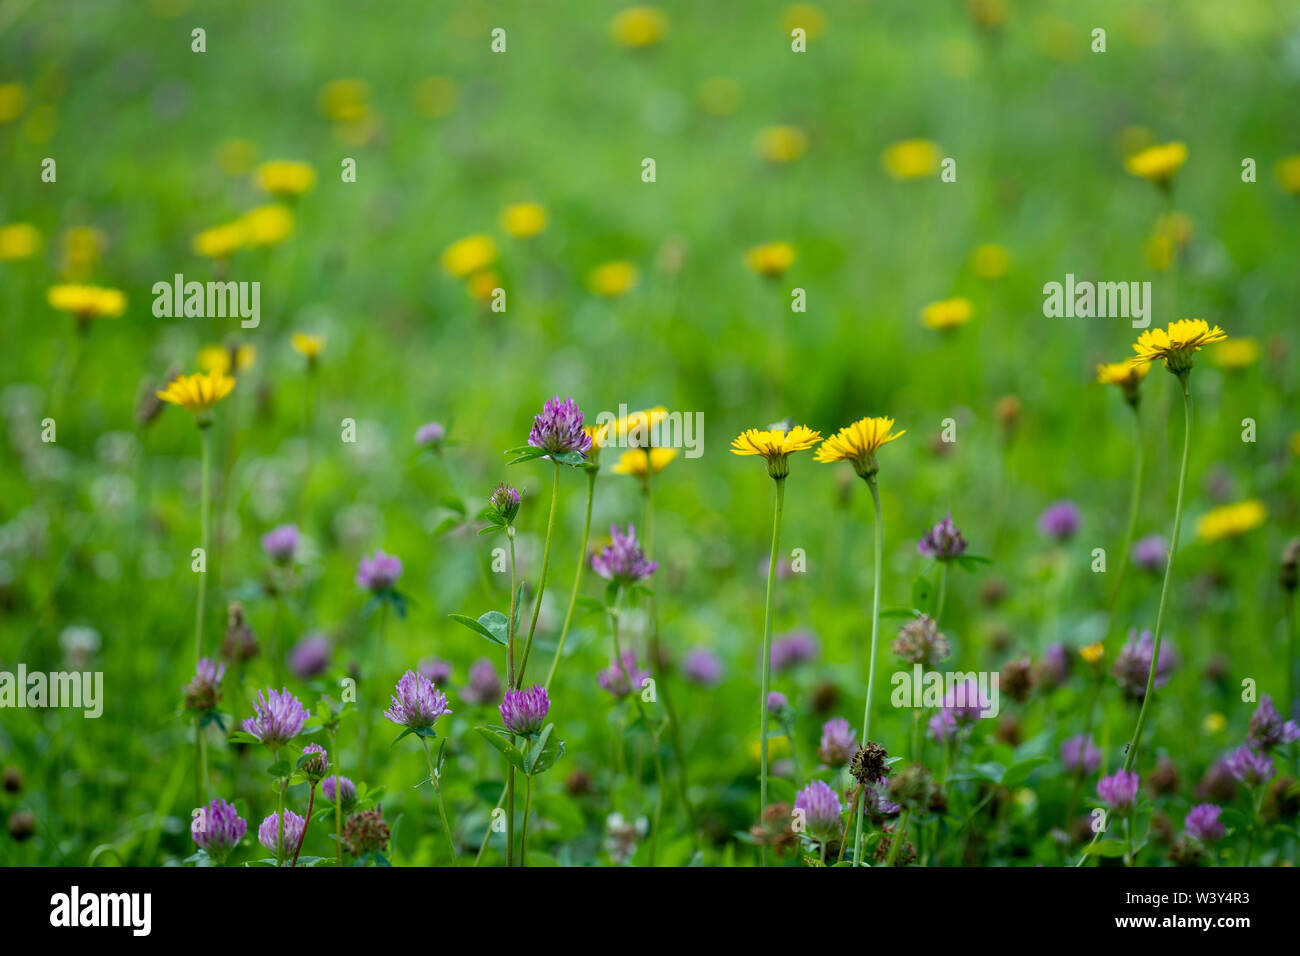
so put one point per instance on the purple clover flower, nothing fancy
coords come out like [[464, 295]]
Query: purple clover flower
[[504, 500], [1054, 669], [966, 702], [1203, 822], [1133, 664], [1060, 521], [614, 681], [277, 718], [217, 829], [269, 832], [430, 435], [484, 684], [943, 542], [281, 544], [942, 727], [838, 743], [1267, 729], [416, 702], [623, 560], [436, 669], [315, 762], [789, 650], [343, 784], [310, 657], [524, 711], [777, 702], [821, 808], [203, 692], [558, 429], [1149, 553], [702, 666], [379, 573], [1249, 766], [1119, 790], [1080, 756]]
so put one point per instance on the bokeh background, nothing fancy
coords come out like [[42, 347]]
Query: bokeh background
[[752, 143]]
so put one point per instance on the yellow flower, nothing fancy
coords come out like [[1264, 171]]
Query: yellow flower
[[12, 96], [612, 279], [469, 255], [220, 242], [198, 392], [782, 144], [638, 27], [216, 358], [947, 314], [523, 220], [1235, 354], [285, 178], [236, 156], [1160, 250], [1092, 653], [1214, 723], [1295, 445], [18, 240], [1177, 344], [482, 285], [719, 96], [858, 443], [82, 246], [308, 346], [1229, 521], [267, 225], [345, 101], [87, 301], [1124, 374], [777, 747], [435, 97], [1288, 174], [990, 261], [804, 16], [775, 445], [771, 259], [1158, 163], [639, 461], [989, 14], [911, 159]]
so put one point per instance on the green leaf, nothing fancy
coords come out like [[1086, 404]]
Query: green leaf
[[1106, 848], [1018, 773], [479, 627], [445, 525], [505, 747], [569, 458], [452, 503], [990, 771]]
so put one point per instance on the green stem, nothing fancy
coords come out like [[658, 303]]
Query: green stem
[[848, 821], [528, 802], [899, 835], [338, 797], [279, 820], [635, 693], [510, 682], [577, 579], [541, 583], [205, 444], [767, 656], [1169, 573], [1135, 500], [871, 665], [306, 822], [200, 766], [442, 811], [943, 592]]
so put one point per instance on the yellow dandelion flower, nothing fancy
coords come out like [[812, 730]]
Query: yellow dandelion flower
[[434, 97], [642, 461], [1288, 174], [198, 392], [344, 101], [612, 279], [719, 96], [18, 240], [781, 144], [82, 247], [1158, 163], [1160, 250], [1092, 653], [236, 156], [308, 346], [483, 285], [777, 748], [947, 314], [1214, 723], [771, 259], [472, 254], [1234, 355], [523, 220], [990, 261], [1124, 374], [12, 98], [988, 14], [775, 445], [1230, 521], [807, 17], [285, 178], [87, 302], [267, 225], [218, 358], [858, 444], [220, 242], [1177, 344], [911, 159], [638, 27]]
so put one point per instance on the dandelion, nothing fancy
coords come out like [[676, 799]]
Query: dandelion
[[227, 359], [1176, 345], [1288, 174], [990, 261], [18, 240], [217, 828], [1231, 521], [638, 27], [1158, 164], [198, 393], [87, 302], [613, 279], [524, 711], [947, 314], [643, 462], [1202, 822], [1119, 790], [911, 159], [1235, 355], [285, 178], [524, 220], [781, 145], [772, 259], [267, 225], [308, 346], [469, 255], [1126, 376]]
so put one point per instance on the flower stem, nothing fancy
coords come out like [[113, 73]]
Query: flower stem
[[442, 810], [871, 665], [528, 802], [200, 765], [635, 693], [205, 444], [541, 583], [279, 820], [1135, 499], [338, 797], [767, 656], [577, 579], [848, 821], [899, 835], [311, 802], [1131, 757]]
